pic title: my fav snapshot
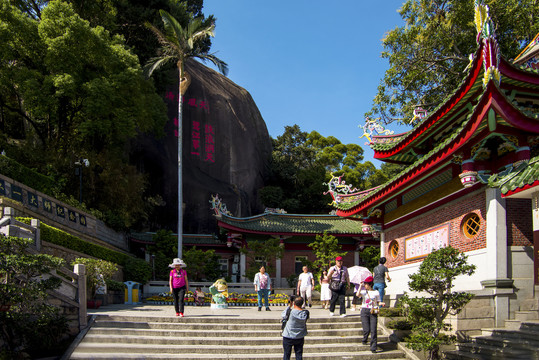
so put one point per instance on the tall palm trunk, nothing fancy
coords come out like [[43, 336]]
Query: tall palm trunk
[[183, 83]]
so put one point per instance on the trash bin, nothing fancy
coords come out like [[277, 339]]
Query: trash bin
[[132, 292]]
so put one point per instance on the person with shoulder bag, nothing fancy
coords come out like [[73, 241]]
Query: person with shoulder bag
[[369, 311], [381, 274], [339, 282], [295, 328]]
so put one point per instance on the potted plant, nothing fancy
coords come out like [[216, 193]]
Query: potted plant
[[97, 272]]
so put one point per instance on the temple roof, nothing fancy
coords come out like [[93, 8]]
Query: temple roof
[[291, 224], [530, 51], [479, 108], [521, 179]]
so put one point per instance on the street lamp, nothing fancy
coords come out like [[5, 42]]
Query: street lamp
[[78, 171]]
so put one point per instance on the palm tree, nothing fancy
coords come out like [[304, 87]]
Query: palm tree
[[179, 44]]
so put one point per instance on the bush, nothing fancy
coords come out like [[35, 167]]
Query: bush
[[29, 177], [114, 285], [137, 270], [292, 280], [30, 326], [391, 312], [59, 237], [97, 272], [435, 277], [401, 324]]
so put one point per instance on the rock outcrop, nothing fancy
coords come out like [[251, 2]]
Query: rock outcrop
[[226, 150]]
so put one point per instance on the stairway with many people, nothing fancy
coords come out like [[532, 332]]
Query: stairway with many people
[[117, 336]]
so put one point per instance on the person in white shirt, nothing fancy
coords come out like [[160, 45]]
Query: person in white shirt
[[305, 286], [369, 311]]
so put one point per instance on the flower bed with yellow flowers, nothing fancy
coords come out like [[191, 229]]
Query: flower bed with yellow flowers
[[234, 299]]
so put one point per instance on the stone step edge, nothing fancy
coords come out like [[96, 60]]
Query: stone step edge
[[491, 349], [395, 355], [251, 339], [507, 334], [222, 321]]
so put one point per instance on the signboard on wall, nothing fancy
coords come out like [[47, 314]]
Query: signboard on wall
[[422, 244]]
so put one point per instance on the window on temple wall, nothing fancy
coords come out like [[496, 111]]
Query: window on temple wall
[[223, 266], [471, 224], [394, 249]]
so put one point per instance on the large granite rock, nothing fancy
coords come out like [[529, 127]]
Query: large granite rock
[[226, 150]]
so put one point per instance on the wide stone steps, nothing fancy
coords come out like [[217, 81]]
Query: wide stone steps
[[136, 337], [503, 343]]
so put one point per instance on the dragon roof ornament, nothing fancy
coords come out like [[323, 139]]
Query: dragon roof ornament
[[372, 127], [486, 35], [343, 193], [218, 206]]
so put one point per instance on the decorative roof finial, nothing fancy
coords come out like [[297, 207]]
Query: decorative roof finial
[[218, 206], [372, 126], [485, 34]]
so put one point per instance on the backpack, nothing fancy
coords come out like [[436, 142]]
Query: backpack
[[285, 319]]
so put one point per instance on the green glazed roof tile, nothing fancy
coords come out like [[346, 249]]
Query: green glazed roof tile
[[526, 176], [293, 223]]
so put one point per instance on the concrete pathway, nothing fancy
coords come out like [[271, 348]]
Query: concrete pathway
[[250, 312]]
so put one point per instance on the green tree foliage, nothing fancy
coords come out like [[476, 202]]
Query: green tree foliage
[[325, 248], [137, 270], [302, 162], [269, 250], [202, 264], [97, 272], [69, 90], [427, 56], [427, 314], [370, 256], [164, 249], [30, 325]]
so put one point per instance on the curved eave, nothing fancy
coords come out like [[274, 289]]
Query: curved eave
[[492, 98], [414, 134], [518, 73], [235, 224]]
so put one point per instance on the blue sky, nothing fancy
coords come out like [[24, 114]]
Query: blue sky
[[308, 62]]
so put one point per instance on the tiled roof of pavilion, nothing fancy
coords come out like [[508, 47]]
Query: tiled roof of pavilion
[[300, 224], [520, 179], [464, 115]]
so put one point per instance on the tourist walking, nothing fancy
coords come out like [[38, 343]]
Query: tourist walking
[[295, 329], [325, 293], [262, 285], [369, 311], [381, 273], [178, 284], [339, 282], [305, 286]]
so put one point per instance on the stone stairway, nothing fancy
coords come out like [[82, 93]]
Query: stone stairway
[[519, 339], [140, 337]]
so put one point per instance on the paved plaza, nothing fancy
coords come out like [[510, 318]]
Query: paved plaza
[[204, 311]]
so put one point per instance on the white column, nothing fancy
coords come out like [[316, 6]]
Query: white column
[[382, 246], [243, 268], [535, 210], [496, 234], [356, 257], [278, 275]]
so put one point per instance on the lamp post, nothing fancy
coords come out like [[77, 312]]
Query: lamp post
[[78, 171]]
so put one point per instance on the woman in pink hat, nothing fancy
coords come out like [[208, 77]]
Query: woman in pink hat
[[369, 311], [178, 284], [338, 273]]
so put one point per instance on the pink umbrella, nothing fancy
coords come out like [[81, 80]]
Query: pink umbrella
[[358, 274]]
